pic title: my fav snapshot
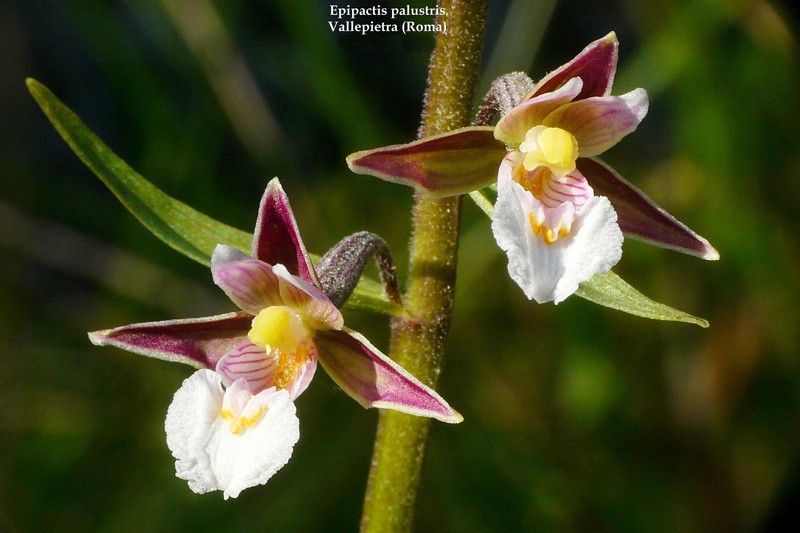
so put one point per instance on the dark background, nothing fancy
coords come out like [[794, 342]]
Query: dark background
[[577, 418]]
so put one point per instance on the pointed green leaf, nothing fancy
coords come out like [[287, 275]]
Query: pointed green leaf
[[612, 291], [369, 296], [185, 229]]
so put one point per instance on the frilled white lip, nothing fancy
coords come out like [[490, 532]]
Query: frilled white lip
[[209, 455], [552, 272]]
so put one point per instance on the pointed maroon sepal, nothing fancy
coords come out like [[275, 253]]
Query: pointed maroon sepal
[[277, 239], [639, 216], [374, 380], [452, 163], [198, 342], [595, 66]]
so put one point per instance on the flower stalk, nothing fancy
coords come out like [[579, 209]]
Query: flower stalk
[[419, 336]]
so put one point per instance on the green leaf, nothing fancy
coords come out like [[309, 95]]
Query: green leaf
[[185, 229], [612, 291], [369, 296]]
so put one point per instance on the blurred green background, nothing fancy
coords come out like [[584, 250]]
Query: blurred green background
[[577, 418]]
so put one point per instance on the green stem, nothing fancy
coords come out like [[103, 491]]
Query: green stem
[[419, 337]]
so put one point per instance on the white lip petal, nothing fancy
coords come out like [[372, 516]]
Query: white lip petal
[[209, 455], [594, 246], [552, 272], [190, 417], [252, 457]]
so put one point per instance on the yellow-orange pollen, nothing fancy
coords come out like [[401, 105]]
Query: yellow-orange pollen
[[530, 181], [289, 364], [281, 331]]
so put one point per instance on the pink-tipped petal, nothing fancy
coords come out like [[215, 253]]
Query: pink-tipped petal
[[254, 285], [249, 362], [441, 165], [511, 129], [199, 342], [374, 380], [317, 310], [595, 65], [639, 216], [277, 239], [248, 282], [601, 122]]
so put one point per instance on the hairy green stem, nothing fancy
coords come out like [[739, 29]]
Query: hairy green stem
[[419, 337]]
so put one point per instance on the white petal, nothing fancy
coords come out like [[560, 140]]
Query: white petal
[[194, 408], [551, 272], [593, 246], [251, 457], [513, 233], [209, 456]]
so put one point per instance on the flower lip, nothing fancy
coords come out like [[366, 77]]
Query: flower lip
[[550, 266], [229, 440]]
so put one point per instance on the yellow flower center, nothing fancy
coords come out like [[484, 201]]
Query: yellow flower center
[[278, 327], [289, 364], [554, 148], [282, 333]]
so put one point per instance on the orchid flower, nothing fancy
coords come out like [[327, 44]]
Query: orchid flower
[[556, 232], [560, 212], [232, 424]]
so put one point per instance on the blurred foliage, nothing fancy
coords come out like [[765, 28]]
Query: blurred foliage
[[577, 417]]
